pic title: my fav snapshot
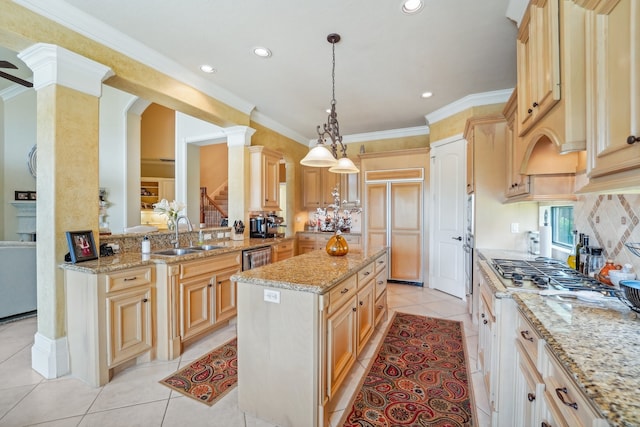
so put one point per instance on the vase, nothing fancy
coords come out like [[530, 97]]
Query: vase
[[337, 246], [171, 223]]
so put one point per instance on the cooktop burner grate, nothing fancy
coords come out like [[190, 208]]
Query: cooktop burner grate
[[546, 272]]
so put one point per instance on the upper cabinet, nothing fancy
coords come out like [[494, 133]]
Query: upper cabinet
[[265, 179], [551, 75], [538, 52], [317, 185], [613, 94], [517, 183]]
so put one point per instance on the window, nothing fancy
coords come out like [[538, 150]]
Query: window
[[562, 226]]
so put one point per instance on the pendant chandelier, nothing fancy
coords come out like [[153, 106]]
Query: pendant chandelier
[[327, 156]]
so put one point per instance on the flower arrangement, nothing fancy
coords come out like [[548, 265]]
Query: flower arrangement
[[170, 210], [334, 220]]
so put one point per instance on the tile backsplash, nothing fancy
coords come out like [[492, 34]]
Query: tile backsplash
[[611, 220]]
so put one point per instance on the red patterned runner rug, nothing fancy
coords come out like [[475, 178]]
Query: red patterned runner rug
[[418, 377], [210, 377]]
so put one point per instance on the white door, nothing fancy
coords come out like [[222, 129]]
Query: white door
[[448, 195]]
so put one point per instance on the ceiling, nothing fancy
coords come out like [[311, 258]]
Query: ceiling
[[384, 62]]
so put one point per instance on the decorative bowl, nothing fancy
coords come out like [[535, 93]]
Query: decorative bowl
[[617, 275], [630, 294]]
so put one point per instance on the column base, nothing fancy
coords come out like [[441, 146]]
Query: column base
[[50, 358]]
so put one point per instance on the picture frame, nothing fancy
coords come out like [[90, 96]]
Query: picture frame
[[82, 246], [22, 195]]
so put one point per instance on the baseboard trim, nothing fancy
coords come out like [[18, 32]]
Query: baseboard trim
[[50, 358], [404, 282]]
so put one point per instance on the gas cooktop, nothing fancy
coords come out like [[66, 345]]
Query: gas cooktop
[[546, 273]]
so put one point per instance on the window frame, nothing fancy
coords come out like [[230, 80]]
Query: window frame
[[554, 214]]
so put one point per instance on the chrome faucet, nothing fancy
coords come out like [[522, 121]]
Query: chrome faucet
[[176, 240]]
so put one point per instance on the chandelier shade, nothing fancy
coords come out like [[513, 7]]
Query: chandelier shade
[[319, 157], [327, 156]]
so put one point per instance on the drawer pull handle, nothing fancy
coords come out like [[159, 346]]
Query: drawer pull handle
[[361, 302], [344, 291], [129, 279], [545, 424], [485, 321], [561, 392], [354, 309], [380, 307], [145, 300], [633, 139], [366, 273], [381, 261], [380, 282], [482, 315], [531, 397], [525, 335]]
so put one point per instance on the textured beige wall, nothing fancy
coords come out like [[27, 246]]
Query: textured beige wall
[[214, 166], [157, 133], [381, 145]]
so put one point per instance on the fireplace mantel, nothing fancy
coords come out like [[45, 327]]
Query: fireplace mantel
[[26, 220]]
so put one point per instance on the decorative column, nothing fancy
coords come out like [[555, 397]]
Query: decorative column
[[238, 138], [68, 89]]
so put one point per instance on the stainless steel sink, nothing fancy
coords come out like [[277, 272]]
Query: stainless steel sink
[[209, 247], [177, 251]]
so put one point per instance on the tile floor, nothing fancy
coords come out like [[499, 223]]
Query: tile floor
[[135, 398]]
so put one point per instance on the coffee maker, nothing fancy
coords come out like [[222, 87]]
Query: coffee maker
[[258, 227]]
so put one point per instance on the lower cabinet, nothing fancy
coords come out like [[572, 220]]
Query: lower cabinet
[[197, 299], [310, 241], [109, 321], [282, 250]]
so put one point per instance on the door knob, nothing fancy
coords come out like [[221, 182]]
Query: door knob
[[459, 238]]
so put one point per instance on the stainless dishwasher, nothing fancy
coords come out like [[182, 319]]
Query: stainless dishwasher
[[256, 257]]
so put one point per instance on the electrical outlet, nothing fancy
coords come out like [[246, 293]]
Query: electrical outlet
[[272, 296], [515, 227]]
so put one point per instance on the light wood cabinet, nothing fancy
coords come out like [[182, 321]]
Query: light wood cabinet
[[538, 56], [393, 218], [207, 296], [310, 241], [111, 321], [281, 251], [341, 344], [517, 183], [613, 94], [317, 185], [350, 187], [264, 179]]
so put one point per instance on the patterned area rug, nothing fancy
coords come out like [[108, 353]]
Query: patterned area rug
[[418, 377], [210, 377]]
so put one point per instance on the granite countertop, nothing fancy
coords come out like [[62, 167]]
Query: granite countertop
[[314, 272], [597, 344], [135, 259]]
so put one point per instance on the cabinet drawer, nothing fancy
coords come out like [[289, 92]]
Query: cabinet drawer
[[566, 396], [365, 274], [306, 238], [380, 263], [341, 293], [284, 246], [351, 240], [209, 265], [129, 278], [528, 337], [381, 282], [380, 308]]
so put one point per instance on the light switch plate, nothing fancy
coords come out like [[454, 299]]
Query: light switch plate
[[515, 227], [272, 296]]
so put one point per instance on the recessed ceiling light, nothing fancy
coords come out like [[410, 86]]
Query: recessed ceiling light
[[207, 69], [427, 94], [262, 52], [412, 6]]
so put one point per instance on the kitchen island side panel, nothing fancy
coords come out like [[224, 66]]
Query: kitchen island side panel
[[279, 355]]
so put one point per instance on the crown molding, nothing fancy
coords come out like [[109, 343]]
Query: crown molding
[[12, 92], [469, 101]]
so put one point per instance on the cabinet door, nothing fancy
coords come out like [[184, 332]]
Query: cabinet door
[[311, 189], [196, 305], [129, 323], [271, 182], [167, 189], [341, 344], [226, 306], [406, 231], [614, 35], [350, 186], [366, 314], [376, 215], [329, 181], [538, 52], [485, 344]]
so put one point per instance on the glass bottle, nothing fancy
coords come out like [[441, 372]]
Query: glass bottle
[[578, 246], [582, 256]]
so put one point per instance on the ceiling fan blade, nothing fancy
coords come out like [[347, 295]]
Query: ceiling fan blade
[[7, 64], [16, 79]]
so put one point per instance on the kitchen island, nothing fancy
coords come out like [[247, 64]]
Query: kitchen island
[[571, 351], [301, 324]]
